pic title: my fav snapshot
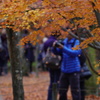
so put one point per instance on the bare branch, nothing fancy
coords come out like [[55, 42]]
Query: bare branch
[[95, 46]]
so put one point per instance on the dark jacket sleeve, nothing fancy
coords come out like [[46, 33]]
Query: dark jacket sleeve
[[82, 59], [47, 44], [57, 51]]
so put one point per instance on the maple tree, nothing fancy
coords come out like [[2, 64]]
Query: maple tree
[[45, 16], [50, 15]]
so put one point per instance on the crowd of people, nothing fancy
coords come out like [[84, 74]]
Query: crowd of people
[[68, 73]]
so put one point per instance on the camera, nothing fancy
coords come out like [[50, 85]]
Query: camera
[[59, 43]]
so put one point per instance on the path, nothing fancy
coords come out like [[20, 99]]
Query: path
[[33, 87], [1, 97]]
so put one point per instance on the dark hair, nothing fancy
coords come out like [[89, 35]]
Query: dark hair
[[55, 33], [74, 31], [25, 31]]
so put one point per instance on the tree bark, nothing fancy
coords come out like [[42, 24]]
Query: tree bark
[[16, 66], [97, 14], [98, 55]]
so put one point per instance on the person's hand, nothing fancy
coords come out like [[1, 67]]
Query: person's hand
[[54, 43], [61, 46]]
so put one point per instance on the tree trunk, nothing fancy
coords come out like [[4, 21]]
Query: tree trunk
[[16, 66], [36, 57], [97, 14], [98, 55]]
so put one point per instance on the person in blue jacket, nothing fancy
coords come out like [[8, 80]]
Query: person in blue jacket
[[70, 68]]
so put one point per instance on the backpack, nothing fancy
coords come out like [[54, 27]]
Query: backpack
[[85, 72], [51, 60]]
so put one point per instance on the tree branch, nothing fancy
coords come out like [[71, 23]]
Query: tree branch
[[95, 46]]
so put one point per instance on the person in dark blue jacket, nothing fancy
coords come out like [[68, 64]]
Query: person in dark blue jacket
[[54, 74], [5, 46], [70, 68], [4, 55], [2, 60], [29, 52]]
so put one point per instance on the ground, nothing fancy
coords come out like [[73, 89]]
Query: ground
[[35, 87]]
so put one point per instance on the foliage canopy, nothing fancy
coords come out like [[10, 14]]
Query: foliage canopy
[[45, 16]]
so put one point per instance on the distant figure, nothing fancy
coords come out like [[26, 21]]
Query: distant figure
[[4, 55], [29, 52], [2, 61], [40, 55]]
